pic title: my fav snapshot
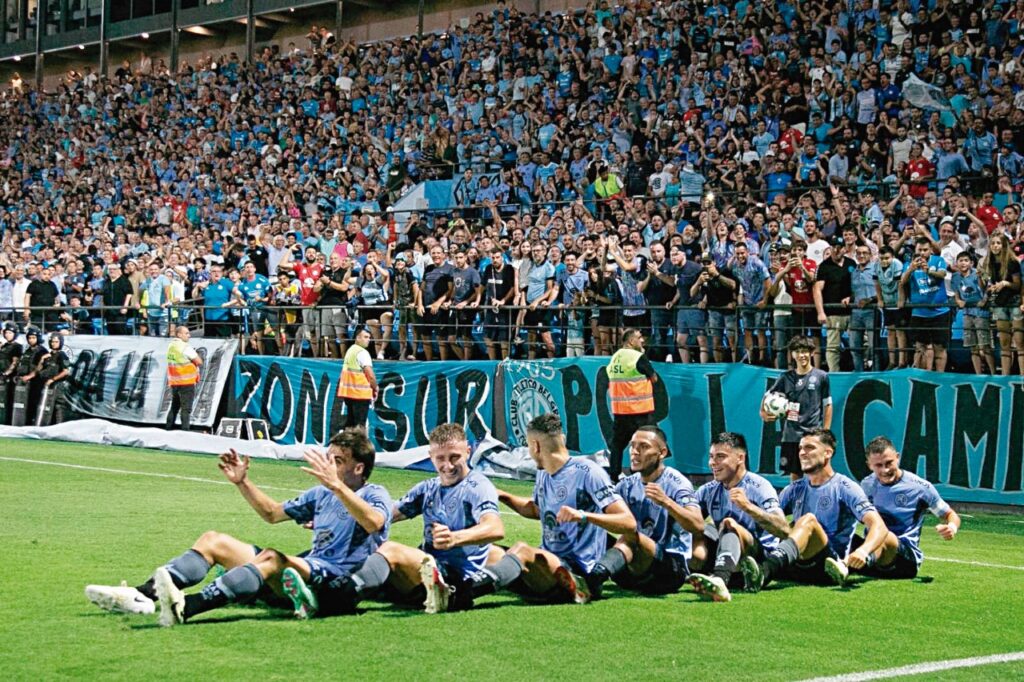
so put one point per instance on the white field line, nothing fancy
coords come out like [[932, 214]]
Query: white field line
[[923, 668], [983, 564], [151, 474]]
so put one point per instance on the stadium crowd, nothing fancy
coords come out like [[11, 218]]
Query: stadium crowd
[[726, 177]]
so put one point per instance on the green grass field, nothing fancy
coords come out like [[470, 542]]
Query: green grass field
[[83, 514]]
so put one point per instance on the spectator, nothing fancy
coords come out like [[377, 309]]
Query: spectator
[[833, 296]]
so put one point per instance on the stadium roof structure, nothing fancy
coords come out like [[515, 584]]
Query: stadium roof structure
[[76, 31]]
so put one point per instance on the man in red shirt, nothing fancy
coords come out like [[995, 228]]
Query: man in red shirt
[[919, 172], [988, 214], [799, 280], [308, 273], [790, 139]]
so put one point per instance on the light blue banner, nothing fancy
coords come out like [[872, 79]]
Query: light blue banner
[[964, 433], [297, 399]]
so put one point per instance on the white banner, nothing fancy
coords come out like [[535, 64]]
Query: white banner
[[124, 378]]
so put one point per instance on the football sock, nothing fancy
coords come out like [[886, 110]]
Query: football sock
[[186, 570], [237, 585], [729, 550], [785, 554], [371, 575], [499, 575], [610, 564]]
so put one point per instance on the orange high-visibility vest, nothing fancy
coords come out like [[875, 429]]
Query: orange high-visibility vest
[[180, 370], [354, 384], [631, 392]]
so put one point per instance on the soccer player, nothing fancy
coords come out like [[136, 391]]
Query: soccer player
[[902, 499], [653, 560], [577, 506], [746, 519], [810, 403], [350, 520], [826, 507], [460, 521]]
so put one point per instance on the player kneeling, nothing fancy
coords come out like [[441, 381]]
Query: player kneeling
[[350, 519], [746, 521], [902, 499], [577, 507], [653, 560], [827, 507], [460, 521]]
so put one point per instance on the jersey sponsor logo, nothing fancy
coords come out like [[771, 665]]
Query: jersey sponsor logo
[[529, 399]]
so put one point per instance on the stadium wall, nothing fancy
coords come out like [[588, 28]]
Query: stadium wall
[[963, 433]]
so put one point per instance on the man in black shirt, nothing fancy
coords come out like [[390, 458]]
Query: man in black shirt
[[437, 288], [658, 287], [117, 291], [258, 256], [333, 289], [499, 290], [832, 294], [690, 319], [42, 293], [720, 290]]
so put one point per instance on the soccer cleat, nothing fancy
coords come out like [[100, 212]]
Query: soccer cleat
[[837, 570], [710, 587], [438, 591], [122, 599], [574, 584], [172, 600], [302, 597], [753, 576]]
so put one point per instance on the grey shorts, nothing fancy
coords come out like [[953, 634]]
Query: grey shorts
[[977, 332], [310, 323], [333, 322], [720, 322], [1009, 313], [755, 320], [692, 321]]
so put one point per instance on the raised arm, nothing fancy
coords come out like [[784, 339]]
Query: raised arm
[[236, 469], [322, 466]]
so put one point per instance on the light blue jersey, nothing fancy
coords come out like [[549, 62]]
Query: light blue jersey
[[902, 506], [582, 485], [337, 538], [838, 504], [458, 507], [654, 520], [714, 501]]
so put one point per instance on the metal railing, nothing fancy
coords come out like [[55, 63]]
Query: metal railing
[[859, 338]]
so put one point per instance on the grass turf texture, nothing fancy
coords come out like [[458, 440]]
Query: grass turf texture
[[63, 528]]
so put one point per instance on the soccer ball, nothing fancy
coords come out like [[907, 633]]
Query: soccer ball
[[775, 403]]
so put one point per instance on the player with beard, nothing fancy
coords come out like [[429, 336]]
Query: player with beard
[[654, 559], [826, 507]]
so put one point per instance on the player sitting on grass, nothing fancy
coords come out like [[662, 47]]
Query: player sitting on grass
[[577, 506], [826, 507], [746, 519], [654, 559], [902, 499], [460, 521], [350, 519]]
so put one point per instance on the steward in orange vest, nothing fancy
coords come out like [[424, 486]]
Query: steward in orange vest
[[631, 389]]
